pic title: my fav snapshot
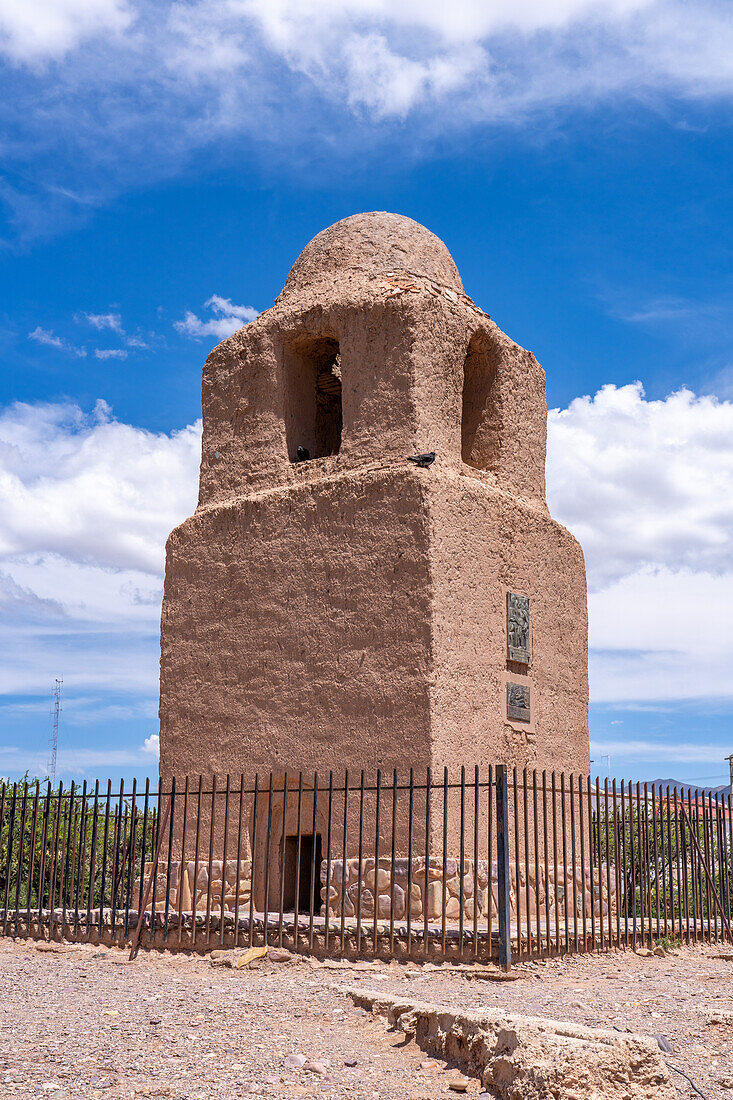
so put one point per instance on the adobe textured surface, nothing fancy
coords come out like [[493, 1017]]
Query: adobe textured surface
[[331, 604]]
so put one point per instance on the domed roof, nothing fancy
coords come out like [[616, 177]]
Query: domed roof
[[373, 244]]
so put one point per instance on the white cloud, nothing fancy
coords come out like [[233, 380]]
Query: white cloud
[[151, 745], [50, 28], [228, 318], [110, 353], [86, 504], [647, 487], [91, 489], [77, 762], [644, 483], [315, 76], [50, 340], [100, 321]]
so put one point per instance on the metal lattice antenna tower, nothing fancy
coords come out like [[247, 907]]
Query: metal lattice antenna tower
[[55, 730]]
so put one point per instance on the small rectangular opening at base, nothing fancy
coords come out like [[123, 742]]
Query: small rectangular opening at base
[[301, 882]]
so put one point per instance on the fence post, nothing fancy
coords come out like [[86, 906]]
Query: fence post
[[503, 870]]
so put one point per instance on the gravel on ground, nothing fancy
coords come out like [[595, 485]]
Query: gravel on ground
[[81, 1021]]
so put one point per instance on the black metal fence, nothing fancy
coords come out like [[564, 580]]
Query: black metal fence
[[486, 863]]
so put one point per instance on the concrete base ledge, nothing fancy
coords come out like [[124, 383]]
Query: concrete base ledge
[[530, 1058]]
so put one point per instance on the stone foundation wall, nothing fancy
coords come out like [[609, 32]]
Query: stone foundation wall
[[596, 901], [182, 878]]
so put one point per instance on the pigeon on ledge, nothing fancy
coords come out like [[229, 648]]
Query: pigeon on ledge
[[422, 460]]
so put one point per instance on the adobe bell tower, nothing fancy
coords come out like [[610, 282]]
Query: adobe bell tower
[[333, 604]]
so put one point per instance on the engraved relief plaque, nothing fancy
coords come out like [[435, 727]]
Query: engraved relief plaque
[[517, 702], [517, 616]]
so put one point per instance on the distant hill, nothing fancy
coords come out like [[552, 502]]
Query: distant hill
[[659, 786]]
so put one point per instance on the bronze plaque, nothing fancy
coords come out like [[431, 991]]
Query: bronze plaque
[[517, 617], [517, 702]]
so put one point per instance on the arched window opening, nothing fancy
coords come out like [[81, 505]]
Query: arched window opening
[[313, 412], [479, 415]]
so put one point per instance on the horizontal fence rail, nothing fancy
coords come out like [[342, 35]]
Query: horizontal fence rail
[[491, 863]]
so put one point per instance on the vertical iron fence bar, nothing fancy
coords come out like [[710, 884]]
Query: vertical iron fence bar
[[82, 859], [712, 924], [222, 907], [476, 808], [210, 866], [343, 860], [184, 865], [282, 863], [375, 915], [328, 860], [31, 861], [581, 827], [601, 926], [155, 827], [2, 819], [76, 866], [546, 850], [724, 865], [42, 858], [694, 871], [169, 860], [517, 878], [312, 899], [670, 867], [92, 860], [655, 858], [392, 863], [462, 865], [254, 864], [722, 879], [608, 863], [617, 864], [116, 849], [527, 889], [132, 845], [503, 867], [9, 856], [54, 861], [643, 861], [590, 866], [254, 860], [623, 863], [717, 865], [634, 861], [296, 899], [663, 866], [21, 846], [728, 826], [490, 857], [124, 862], [410, 824], [426, 895], [103, 872], [647, 863], [563, 819], [194, 899], [444, 877], [65, 880], [536, 861], [682, 891], [360, 864], [553, 788], [237, 871]]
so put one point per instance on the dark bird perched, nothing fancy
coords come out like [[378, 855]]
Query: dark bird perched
[[302, 454], [422, 460]]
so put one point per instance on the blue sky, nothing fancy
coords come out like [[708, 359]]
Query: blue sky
[[162, 167]]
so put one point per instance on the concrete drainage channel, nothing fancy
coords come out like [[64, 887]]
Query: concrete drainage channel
[[529, 1058]]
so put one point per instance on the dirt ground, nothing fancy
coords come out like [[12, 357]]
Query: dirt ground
[[81, 1022]]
